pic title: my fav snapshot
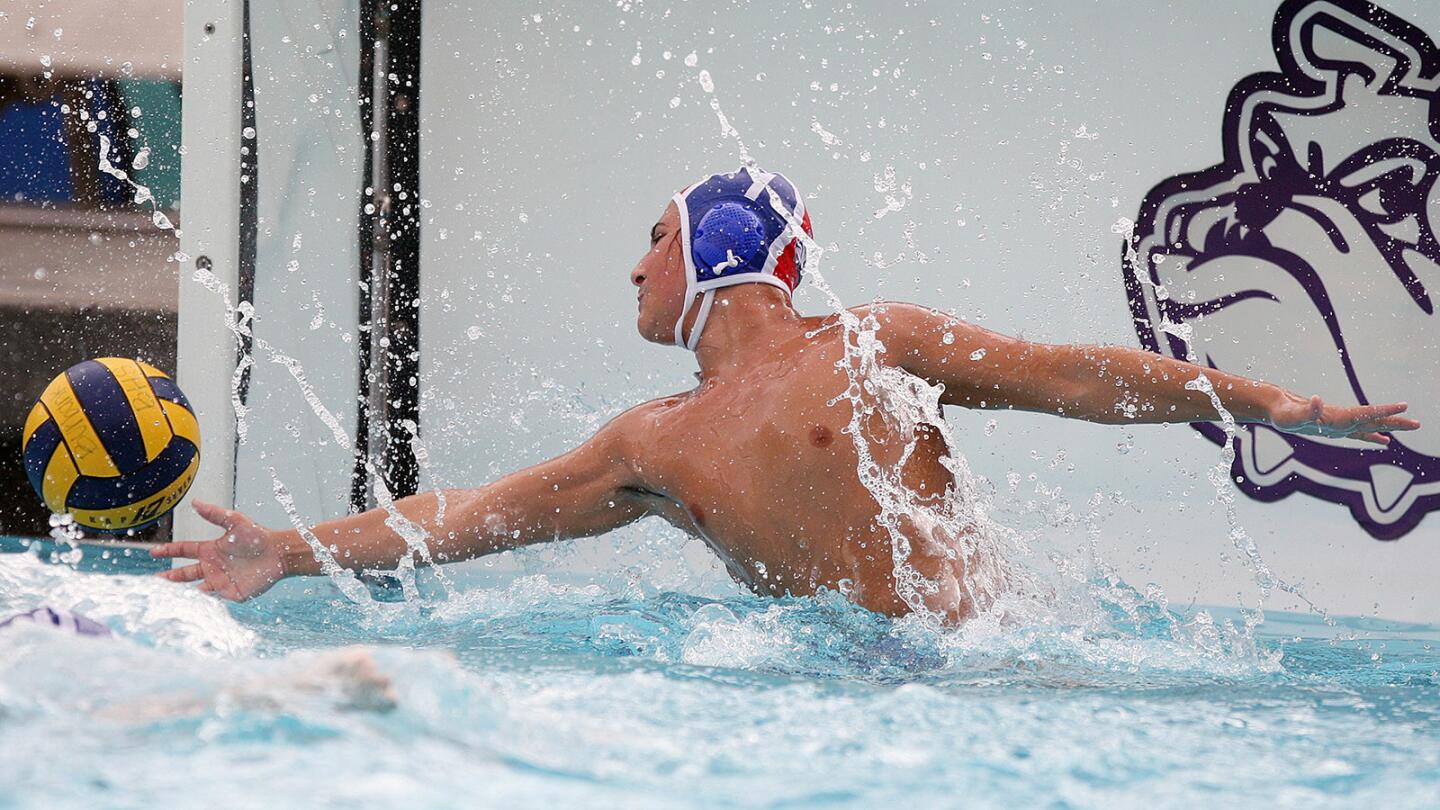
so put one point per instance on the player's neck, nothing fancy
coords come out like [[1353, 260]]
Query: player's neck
[[744, 325]]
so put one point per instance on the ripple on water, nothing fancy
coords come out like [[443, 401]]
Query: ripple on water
[[535, 690]]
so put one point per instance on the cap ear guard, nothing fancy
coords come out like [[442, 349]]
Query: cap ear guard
[[728, 235]]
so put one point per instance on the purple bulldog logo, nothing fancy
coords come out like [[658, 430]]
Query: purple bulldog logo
[[1308, 257]]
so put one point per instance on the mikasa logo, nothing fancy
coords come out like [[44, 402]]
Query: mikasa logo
[[1308, 257]]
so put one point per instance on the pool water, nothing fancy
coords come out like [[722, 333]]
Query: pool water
[[538, 691]]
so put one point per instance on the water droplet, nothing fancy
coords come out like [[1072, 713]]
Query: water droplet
[[692, 60], [948, 339], [978, 354], [248, 133]]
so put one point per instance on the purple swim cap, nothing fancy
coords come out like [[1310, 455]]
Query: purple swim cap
[[60, 620]]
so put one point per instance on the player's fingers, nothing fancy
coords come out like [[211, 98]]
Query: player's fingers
[[188, 573], [1390, 409], [206, 587], [1362, 415], [1373, 438], [224, 518], [188, 548], [1398, 423]]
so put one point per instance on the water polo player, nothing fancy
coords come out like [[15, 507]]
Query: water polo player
[[756, 460]]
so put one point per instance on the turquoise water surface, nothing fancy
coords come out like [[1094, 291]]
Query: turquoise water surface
[[535, 691]]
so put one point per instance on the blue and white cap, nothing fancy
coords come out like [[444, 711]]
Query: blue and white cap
[[738, 228]]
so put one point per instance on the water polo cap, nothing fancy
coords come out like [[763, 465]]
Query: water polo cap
[[737, 228], [60, 620]]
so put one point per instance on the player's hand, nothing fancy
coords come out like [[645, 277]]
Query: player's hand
[[240, 564], [1368, 423]]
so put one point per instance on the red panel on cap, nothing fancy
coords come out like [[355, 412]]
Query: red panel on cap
[[785, 269]]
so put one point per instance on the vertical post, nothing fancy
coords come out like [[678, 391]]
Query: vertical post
[[401, 336], [210, 241], [368, 216], [249, 202]]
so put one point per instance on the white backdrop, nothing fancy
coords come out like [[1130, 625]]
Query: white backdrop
[[306, 59], [974, 156]]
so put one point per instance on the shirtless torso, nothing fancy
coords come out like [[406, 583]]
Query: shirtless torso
[[757, 460], [762, 467]]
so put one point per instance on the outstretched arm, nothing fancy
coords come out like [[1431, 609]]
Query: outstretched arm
[[584, 492], [1108, 384]]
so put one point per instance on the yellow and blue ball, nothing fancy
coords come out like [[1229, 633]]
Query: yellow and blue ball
[[114, 443]]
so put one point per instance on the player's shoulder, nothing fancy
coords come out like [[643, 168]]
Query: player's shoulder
[[905, 317], [641, 420]]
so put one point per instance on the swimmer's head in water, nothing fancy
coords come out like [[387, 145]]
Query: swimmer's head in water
[[726, 229], [58, 619]]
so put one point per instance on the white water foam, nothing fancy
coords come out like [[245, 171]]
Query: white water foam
[[143, 607]]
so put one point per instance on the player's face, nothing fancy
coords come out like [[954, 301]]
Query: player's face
[[659, 279]]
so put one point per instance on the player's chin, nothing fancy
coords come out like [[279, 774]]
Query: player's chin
[[658, 337], [653, 331]]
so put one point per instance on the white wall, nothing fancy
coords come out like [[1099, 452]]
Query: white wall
[[1017, 137]]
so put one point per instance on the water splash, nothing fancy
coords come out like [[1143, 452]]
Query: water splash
[[238, 320], [349, 585], [957, 525], [415, 537], [422, 458], [1219, 474], [142, 193], [1007, 584], [727, 129]]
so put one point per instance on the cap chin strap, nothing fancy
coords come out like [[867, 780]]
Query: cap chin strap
[[706, 301]]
